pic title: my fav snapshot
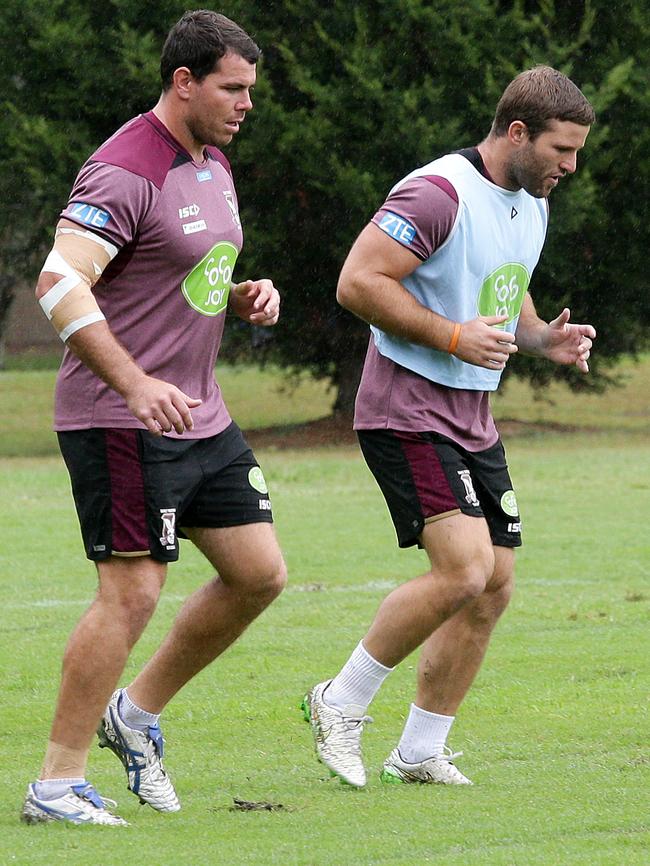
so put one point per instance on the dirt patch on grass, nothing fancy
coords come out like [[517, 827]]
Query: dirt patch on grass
[[337, 430], [330, 431]]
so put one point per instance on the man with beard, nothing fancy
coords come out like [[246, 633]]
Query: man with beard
[[441, 275]]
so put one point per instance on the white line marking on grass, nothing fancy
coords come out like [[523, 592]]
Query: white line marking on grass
[[74, 602], [369, 586]]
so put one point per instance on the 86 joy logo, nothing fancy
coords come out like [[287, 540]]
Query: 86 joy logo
[[503, 291], [207, 286]]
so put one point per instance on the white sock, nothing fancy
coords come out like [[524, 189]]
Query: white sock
[[352, 690], [133, 716], [51, 789], [424, 735]]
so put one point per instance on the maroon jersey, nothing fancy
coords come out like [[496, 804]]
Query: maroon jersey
[[176, 226]]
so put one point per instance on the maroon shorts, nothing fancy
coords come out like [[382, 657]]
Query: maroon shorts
[[134, 491], [426, 476]]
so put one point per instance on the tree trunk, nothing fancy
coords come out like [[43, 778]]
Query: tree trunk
[[348, 375], [7, 283]]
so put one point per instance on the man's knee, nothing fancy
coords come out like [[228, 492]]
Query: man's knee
[[498, 591], [270, 583], [131, 588], [461, 555], [502, 580], [472, 574]]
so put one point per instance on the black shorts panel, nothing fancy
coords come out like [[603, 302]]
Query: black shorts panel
[[426, 476], [133, 490]]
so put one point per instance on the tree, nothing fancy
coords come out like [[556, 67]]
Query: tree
[[351, 96], [81, 70]]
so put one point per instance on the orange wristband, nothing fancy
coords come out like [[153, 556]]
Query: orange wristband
[[453, 343]]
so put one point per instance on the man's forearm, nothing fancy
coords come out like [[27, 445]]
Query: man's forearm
[[102, 353], [387, 305], [530, 329]]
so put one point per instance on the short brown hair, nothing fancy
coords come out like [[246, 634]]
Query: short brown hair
[[538, 96], [199, 40]]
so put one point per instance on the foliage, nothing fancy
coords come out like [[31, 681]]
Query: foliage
[[70, 74], [352, 96]]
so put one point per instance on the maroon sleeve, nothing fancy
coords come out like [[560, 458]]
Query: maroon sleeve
[[419, 214], [110, 201]]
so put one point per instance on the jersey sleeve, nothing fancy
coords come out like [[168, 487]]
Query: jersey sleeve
[[419, 214], [109, 201]]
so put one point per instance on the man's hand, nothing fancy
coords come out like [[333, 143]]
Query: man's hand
[[160, 406], [482, 344], [567, 343], [256, 301]]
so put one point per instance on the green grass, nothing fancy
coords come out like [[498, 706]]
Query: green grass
[[555, 730], [624, 407]]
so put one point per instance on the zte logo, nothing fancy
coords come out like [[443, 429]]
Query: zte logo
[[191, 210], [89, 214], [397, 228]]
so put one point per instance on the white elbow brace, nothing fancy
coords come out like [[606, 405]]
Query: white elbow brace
[[79, 257]]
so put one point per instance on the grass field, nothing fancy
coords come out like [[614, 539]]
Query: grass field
[[555, 732]]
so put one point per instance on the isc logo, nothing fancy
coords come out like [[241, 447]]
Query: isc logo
[[189, 211]]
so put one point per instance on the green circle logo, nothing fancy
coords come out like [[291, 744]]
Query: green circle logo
[[509, 503], [207, 286], [256, 480], [502, 293]]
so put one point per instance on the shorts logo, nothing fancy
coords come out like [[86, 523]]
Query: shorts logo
[[470, 495], [264, 504], [509, 503], [168, 537], [514, 527], [397, 227], [503, 291], [207, 286], [204, 175], [257, 481], [89, 214]]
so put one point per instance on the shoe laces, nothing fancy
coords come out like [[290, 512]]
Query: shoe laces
[[448, 756], [87, 792], [156, 737], [351, 728], [357, 721], [153, 761]]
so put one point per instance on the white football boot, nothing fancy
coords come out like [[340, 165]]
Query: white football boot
[[141, 754], [439, 769], [80, 805], [337, 736]]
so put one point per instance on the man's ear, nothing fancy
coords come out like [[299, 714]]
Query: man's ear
[[182, 82], [518, 133]]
